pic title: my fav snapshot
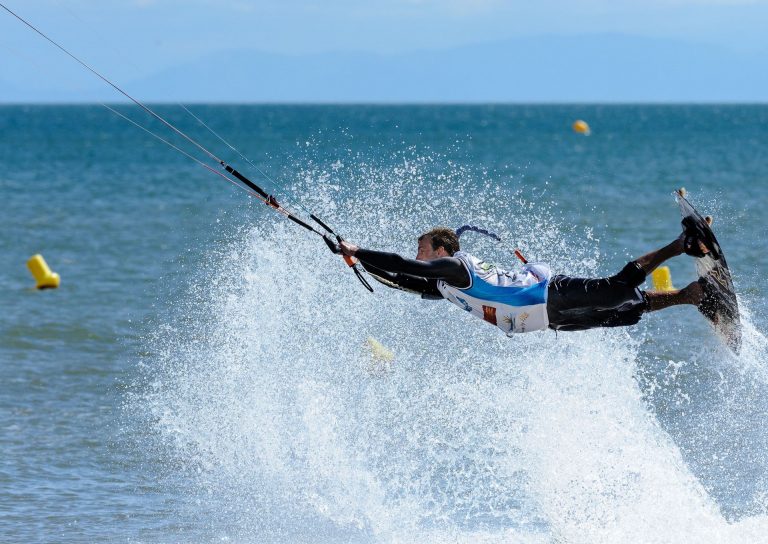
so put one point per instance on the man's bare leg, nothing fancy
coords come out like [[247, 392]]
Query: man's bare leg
[[658, 300], [652, 260]]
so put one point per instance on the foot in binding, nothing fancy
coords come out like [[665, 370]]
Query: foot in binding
[[697, 242]]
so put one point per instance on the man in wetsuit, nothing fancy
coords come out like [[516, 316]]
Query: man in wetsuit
[[531, 299]]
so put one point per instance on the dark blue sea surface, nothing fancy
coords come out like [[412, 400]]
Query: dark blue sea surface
[[203, 373]]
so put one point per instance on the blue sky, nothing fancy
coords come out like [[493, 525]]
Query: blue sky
[[131, 40]]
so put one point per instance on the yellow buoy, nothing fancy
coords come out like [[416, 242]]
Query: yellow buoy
[[581, 127], [43, 276], [662, 279]]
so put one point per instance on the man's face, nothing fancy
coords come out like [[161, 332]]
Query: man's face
[[426, 253]]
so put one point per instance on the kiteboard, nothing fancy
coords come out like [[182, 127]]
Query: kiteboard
[[719, 305]]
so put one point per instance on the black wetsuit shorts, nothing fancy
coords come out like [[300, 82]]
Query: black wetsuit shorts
[[576, 304]]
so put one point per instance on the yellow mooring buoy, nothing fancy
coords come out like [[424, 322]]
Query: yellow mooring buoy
[[43, 276], [662, 279], [581, 127]]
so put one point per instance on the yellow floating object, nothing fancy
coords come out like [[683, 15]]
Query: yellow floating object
[[581, 127], [662, 279], [43, 276], [378, 351]]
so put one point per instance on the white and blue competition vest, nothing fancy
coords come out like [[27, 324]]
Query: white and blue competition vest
[[514, 302]]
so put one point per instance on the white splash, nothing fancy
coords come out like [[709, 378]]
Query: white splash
[[265, 391]]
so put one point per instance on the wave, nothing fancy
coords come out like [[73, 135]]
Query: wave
[[262, 392]]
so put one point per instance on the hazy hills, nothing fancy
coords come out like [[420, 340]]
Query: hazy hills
[[592, 68]]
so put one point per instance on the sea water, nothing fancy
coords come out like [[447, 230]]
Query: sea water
[[202, 374]]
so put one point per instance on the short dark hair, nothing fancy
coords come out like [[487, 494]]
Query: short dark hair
[[442, 236]]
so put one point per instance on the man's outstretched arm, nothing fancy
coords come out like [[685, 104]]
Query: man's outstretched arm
[[448, 269], [413, 284]]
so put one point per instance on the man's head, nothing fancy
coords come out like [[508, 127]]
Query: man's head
[[437, 243]]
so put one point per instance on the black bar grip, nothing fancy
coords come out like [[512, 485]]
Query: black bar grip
[[319, 222], [300, 222], [245, 180], [333, 246]]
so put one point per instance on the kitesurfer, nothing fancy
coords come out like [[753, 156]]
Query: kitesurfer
[[531, 299]]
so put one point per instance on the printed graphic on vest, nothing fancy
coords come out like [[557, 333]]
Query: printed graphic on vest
[[464, 303], [489, 314], [517, 323]]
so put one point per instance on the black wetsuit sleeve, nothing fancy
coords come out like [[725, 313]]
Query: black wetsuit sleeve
[[448, 269], [426, 288]]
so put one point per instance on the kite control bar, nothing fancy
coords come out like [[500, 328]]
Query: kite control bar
[[334, 246]]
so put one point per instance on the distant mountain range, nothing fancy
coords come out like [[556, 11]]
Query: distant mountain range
[[590, 68]]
